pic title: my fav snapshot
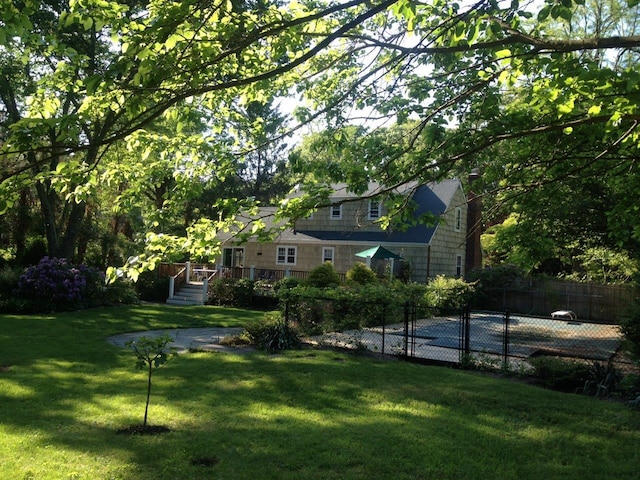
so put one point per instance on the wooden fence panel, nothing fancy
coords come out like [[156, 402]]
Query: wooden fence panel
[[600, 303]]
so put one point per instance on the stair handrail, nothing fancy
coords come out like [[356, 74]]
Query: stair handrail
[[173, 284], [205, 285]]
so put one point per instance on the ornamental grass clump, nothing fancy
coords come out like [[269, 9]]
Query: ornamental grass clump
[[56, 284]]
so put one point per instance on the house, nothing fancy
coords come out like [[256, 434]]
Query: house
[[345, 231]]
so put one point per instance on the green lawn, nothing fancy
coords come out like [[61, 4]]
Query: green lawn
[[303, 415]]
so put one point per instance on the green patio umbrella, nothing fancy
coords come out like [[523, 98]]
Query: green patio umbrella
[[378, 252]]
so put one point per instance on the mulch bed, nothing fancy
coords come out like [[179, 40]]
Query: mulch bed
[[142, 430]]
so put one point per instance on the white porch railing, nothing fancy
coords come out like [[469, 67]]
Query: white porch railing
[[192, 275]]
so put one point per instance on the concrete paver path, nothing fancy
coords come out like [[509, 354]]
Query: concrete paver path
[[185, 339]]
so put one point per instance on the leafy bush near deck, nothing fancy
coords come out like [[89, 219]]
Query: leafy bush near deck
[[323, 276], [232, 292], [152, 288], [360, 274], [286, 283]]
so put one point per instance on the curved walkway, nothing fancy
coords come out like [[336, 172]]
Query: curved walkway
[[185, 339]]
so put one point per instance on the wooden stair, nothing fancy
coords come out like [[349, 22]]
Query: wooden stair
[[189, 294]]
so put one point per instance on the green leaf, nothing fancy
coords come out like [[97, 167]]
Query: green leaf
[[544, 13], [595, 110]]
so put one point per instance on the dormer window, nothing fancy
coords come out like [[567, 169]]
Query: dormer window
[[336, 211], [374, 209]]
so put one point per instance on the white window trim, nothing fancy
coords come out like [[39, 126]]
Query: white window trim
[[379, 209], [335, 217], [286, 255], [458, 220], [233, 251], [333, 254], [459, 267]]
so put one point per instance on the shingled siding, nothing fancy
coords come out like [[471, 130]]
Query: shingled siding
[[429, 250], [355, 217], [447, 243]]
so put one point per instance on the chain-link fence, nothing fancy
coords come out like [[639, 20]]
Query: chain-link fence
[[415, 332]]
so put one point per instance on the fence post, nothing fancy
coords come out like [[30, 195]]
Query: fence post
[[467, 330], [505, 350], [406, 330], [172, 283], [465, 333], [187, 267], [384, 315]]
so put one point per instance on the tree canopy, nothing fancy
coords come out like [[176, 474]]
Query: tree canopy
[[475, 84]]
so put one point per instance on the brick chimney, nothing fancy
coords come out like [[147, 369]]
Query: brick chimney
[[474, 225]]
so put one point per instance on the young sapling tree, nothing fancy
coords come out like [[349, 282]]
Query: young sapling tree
[[152, 353]]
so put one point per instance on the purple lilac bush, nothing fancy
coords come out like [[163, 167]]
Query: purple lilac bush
[[59, 283]]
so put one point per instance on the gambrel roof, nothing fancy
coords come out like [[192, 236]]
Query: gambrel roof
[[434, 198]]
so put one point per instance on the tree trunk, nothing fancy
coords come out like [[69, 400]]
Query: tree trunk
[[59, 244]]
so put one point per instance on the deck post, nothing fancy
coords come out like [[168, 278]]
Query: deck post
[[187, 266], [172, 282], [205, 289]]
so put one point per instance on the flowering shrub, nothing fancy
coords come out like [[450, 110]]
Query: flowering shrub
[[57, 284]]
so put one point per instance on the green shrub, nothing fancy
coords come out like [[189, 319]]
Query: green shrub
[[361, 274], [152, 288], [54, 284], [221, 291], [243, 292], [604, 380], [232, 291], [286, 283], [323, 276], [630, 326], [496, 277], [273, 334], [446, 293], [319, 310], [561, 374], [9, 281], [122, 291]]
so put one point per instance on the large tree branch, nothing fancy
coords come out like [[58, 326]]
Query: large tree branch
[[175, 97]]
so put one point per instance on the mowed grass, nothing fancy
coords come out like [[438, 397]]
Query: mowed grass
[[65, 391]]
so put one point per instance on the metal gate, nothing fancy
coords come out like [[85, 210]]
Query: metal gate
[[418, 342]]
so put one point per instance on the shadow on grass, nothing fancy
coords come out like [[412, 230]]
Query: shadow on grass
[[306, 414]]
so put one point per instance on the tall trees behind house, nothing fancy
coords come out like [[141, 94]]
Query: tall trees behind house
[[78, 79]]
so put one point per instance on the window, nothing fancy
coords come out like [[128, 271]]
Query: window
[[286, 256], [458, 222], [336, 211], [233, 257], [374, 209], [458, 266], [327, 254]]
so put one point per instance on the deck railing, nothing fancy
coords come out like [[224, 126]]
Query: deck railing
[[198, 272]]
